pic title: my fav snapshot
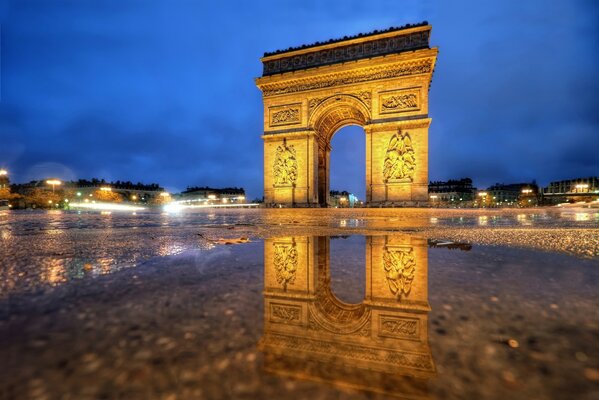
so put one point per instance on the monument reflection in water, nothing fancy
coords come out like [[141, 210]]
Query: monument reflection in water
[[380, 344]]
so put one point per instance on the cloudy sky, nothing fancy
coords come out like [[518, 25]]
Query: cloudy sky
[[163, 91]]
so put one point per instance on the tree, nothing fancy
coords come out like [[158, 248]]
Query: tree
[[107, 196], [6, 194], [42, 198]]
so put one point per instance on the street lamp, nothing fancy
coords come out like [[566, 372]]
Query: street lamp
[[53, 183]]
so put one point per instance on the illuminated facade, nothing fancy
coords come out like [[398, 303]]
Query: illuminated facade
[[379, 81], [380, 344]]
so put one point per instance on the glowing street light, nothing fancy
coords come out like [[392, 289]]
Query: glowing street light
[[53, 183], [482, 194], [3, 172]]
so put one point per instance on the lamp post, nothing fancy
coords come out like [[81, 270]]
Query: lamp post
[[53, 183]]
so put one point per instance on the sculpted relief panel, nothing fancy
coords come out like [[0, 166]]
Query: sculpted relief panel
[[285, 313], [285, 166], [400, 159], [285, 263], [399, 101], [399, 265], [285, 115]]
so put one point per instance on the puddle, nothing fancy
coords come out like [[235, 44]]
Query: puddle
[[301, 316]]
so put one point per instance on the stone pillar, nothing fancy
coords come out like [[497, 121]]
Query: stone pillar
[[289, 173], [398, 163]]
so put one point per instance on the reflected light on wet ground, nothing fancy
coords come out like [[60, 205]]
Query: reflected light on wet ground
[[304, 310]]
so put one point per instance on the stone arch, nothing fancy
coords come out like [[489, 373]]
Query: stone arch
[[328, 117], [308, 322], [338, 111], [378, 81]]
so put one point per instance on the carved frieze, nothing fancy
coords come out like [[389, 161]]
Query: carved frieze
[[349, 351], [285, 313], [285, 263], [285, 115], [399, 101], [400, 159], [366, 49], [399, 265], [408, 68], [399, 327], [285, 166]]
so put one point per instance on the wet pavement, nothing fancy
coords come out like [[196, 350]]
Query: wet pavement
[[319, 304]]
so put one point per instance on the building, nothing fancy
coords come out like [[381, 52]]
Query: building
[[509, 195], [60, 193], [343, 199], [379, 81], [572, 190], [454, 192], [212, 196]]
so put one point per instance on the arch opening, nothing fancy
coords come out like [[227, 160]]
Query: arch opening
[[348, 167], [347, 274], [338, 113]]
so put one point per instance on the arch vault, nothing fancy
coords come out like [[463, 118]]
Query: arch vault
[[379, 81]]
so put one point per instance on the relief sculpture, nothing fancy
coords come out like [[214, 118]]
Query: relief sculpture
[[399, 102], [400, 159], [285, 263], [400, 266], [285, 166], [286, 116]]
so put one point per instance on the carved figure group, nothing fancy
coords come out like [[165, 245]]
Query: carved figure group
[[400, 266], [285, 166], [400, 159], [285, 263]]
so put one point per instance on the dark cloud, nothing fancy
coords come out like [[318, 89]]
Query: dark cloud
[[163, 91]]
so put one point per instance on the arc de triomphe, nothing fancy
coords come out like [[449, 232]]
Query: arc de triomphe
[[379, 81]]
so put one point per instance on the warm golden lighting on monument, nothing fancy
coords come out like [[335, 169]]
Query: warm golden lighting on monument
[[388, 96], [3, 172], [383, 337]]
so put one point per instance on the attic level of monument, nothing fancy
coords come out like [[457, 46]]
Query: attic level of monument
[[391, 41]]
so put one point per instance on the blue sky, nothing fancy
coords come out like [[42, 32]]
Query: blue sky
[[164, 91]]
